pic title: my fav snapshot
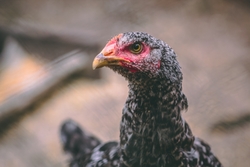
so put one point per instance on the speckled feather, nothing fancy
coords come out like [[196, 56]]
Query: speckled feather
[[152, 130]]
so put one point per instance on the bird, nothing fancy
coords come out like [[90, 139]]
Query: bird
[[153, 132]]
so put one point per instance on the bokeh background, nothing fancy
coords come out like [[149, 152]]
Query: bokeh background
[[47, 48]]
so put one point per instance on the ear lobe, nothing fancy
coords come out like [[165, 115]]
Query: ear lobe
[[159, 64]]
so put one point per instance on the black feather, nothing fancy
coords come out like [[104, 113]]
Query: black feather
[[152, 131]]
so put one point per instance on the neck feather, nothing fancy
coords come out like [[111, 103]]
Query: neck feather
[[152, 123]]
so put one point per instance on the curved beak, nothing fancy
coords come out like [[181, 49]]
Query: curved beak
[[107, 57], [101, 60]]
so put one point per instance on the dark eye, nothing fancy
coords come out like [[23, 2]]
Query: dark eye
[[136, 48]]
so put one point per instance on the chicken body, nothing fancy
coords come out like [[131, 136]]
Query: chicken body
[[152, 130]]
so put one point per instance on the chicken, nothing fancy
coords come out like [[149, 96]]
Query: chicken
[[152, 131]]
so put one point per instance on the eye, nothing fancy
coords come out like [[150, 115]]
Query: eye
[[136, 48]]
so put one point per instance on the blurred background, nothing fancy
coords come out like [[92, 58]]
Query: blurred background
[[46, 52]]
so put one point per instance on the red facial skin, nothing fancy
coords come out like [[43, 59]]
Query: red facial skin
[[132, 61]]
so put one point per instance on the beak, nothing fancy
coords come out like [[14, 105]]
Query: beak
[[107, 58], [101, 60]]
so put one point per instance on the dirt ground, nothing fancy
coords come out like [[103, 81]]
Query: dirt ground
[[210, 38]]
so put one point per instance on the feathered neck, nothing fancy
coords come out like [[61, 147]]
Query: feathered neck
[[152, 125]]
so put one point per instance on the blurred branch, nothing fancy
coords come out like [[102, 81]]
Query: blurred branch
[[235, 122], [62, 68]]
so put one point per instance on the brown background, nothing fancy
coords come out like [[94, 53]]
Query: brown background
[[210, 37]]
